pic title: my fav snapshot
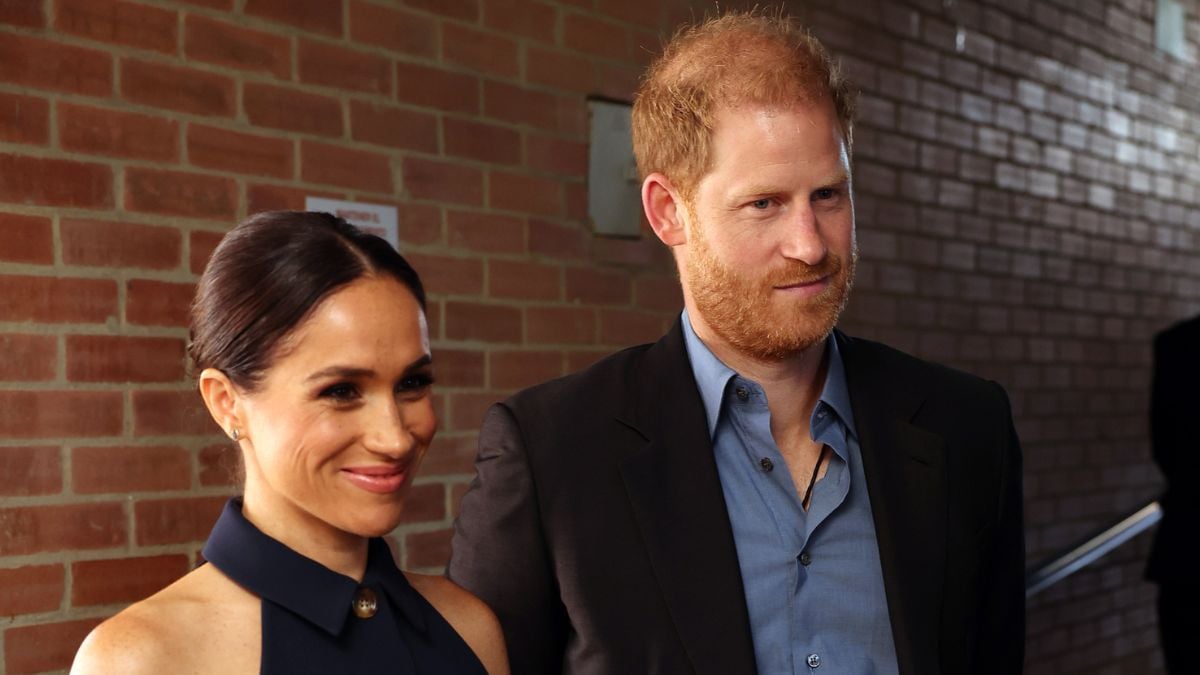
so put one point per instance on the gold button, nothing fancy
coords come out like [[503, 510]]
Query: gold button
[[364, 603]]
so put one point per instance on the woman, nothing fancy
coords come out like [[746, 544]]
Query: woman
[[311, 344]]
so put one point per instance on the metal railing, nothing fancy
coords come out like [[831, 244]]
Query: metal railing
[[1090, 549]]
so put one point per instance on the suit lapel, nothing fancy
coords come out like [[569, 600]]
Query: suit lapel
[[905, 471], [675, 492]]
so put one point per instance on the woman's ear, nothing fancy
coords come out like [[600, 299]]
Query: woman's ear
[[664, 209], [222, 398]]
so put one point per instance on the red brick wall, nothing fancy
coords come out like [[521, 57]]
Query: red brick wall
[[1027, 210]]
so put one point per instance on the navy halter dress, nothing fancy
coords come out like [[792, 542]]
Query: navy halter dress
[[315, 620]]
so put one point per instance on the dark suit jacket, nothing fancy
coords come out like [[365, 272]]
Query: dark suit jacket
[[1174, 407], [597, 530]]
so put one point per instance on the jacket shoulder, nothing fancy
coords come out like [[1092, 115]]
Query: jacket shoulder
[[601, 387]]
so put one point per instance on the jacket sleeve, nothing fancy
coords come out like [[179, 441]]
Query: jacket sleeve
[[499, 551], [1001, 637]]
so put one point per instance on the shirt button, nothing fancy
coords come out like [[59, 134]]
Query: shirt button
[[805, 559], [814, 661], [742, 393], [364, 603], [766, 464]]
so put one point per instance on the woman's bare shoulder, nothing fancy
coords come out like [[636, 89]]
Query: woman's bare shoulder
[[468, 615], [201, 617]]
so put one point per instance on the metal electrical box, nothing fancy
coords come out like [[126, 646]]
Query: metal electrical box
[[614, 191]]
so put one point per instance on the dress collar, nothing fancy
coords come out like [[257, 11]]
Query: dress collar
[[269, 569]]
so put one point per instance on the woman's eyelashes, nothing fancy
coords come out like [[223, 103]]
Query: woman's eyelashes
[[341, 392], [415, 383]]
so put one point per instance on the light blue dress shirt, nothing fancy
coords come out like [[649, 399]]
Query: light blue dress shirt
[[813, 582]]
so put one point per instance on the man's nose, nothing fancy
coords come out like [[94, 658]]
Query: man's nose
[[802, 238]]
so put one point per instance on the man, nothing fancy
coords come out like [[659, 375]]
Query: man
[[1173, 405], [756, 492]]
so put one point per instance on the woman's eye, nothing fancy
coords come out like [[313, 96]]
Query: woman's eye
[[340, 392], [415, 383]]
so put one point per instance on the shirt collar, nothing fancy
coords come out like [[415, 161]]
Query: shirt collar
[[276, 573], [713, 376]]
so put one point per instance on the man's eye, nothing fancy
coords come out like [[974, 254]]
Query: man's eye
[[761, 204], [824, 193], [343, 391]]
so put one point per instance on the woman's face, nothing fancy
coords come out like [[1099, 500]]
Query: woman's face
[[343, 415]]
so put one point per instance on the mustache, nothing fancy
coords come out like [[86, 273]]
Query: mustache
[[794, 272]]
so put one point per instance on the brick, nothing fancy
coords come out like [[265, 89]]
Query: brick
[[215, 148], [481, 51], [31, 589], [123, 580], [560, 325], [465, 10], [622, 327], [658, 292], [513, 370], [424, 503], [220, 464], [97, 131], [559, 69], [485, 232], [180, 194], [114, 244], [450, 454], [24, 119], [427, 549], [46, 529], [482, 322], [57, 300], [445, 275], [171, 413], [645, 252], [227, 44], [521, 17], [44, 647], [121, 358], [119, 22], [518, 105], [635, 11], [130, 469], [333, 66], [443, 181], [525, 193], [45, 64], [481, 141], [558, 242], [394, 127], [202, 244], [393, 29], [459, 367], [336, 165], [316, 16], [158, 303], [55, 182], [437, 88], [601, 287], [27, 239], [22, 13], [467, 410], [596, 36], [556, 155], [177, 88], [27, 358], [28, 471], [422, 223], [519, 280], [175, 521], [291, 110]]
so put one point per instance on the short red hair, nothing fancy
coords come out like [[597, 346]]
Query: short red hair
[[736, 59]]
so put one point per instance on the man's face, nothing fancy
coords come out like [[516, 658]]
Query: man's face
[[770, 249]]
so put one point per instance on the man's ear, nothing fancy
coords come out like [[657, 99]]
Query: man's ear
[[665, 210], [222, 397]]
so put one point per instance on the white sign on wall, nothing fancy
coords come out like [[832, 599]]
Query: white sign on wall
[[377, 219]]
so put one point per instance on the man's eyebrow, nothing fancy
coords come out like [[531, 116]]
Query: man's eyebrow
[[351, 372]]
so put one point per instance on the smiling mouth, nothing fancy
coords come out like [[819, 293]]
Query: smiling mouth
[[377, 479]]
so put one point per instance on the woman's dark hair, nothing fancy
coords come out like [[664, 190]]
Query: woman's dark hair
[[268, 274]]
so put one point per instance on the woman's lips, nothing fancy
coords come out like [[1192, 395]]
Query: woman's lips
[[377, 479]]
